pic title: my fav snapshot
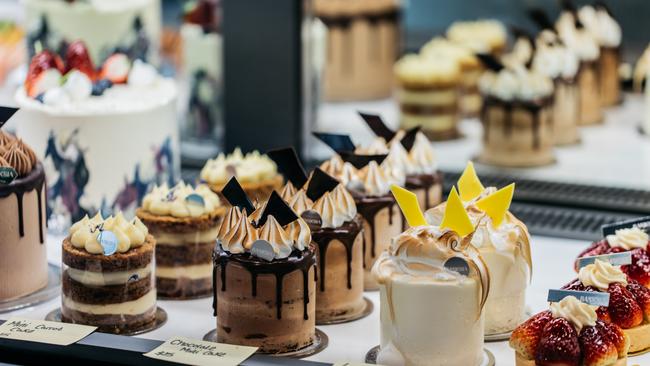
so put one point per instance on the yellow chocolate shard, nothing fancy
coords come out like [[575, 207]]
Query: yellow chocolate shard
[[497, 204], [469, 185], [456, 217], [408, 203]]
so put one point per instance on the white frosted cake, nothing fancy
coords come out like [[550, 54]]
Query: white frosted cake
[[102, 142]]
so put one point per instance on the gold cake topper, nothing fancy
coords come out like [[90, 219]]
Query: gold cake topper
[[455, 217], [408, 203], [469, 185]]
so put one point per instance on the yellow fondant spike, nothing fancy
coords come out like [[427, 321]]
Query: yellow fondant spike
[[408, 203], [497, 204], [456, 217], [469, 185]]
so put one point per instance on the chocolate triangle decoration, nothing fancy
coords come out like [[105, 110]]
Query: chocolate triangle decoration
[[490, 62], [279, 209], [519, 32], [497, 204], [567, 5], [289, 165], [469, 185], [5, 114], [236, 196], [408, 203], [409, 138], [319, 184], [360, 161], [339, 143], [539, 17], [455, 217], [377, 125]]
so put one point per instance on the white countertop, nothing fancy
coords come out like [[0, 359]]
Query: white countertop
[[553, 267]]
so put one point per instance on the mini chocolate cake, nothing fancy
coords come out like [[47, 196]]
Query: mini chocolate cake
[[184, 222], [107, 276], [264, 276]]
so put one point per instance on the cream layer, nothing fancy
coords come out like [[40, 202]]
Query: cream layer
[[441, 97], [107, 278], [134, 307], [193, 272], [177, 239], [441, 122]]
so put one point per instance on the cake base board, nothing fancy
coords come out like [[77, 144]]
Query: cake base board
[[346, 318], [50, 291], [488, 357], [161, 318], [504, 336], [321, 341], [519, 361]]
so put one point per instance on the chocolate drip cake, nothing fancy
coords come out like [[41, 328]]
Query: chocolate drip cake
[[108, 274], [517, 118], [184, 221], [264, 277], [23, 256]]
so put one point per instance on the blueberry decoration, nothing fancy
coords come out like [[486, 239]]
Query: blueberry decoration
[[40, 98], [100, 86]]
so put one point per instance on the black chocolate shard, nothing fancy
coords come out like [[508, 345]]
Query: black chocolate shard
[[289, 165], [279, 209], [539, 16], [338, 142], [5, 114], [360, 161], [520, 32], [234, 193], [568, 5], [490, 62], [377, 125], [319, 184], [409, 138]]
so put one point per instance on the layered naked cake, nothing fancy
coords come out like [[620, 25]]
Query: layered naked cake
[[108, 275], [517, 118], [481, 36], [569, 333], [23, 256], [428, 94], [470, 67], [184, 220], [604, 27], [265, 277], [257, 174]]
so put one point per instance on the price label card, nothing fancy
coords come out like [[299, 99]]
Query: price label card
[[200, 353], [42, 331]]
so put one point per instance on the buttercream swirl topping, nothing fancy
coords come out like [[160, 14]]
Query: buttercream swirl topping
[[552, 58], [16, 154], [84, 234], [371, 180], [335, 207], [576, 312], [250, 168], [579, 40], [516, 83], [421, 159], [628, 239], [601, 25], [601, 274], [165, 201]]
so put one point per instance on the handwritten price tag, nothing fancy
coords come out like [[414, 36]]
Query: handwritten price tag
[[42, 331], [200, 353]]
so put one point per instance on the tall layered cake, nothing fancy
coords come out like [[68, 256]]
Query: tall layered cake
[[104, 134], [433, 286], [23, 256], [517, 118], [108, 282], [184, 220], [363, 38], [264, 276], [257, 174], [429, 95]]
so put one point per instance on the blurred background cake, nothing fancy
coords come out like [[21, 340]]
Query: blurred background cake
[[481, 36]]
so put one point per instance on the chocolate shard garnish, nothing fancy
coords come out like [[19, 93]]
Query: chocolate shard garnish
[[279, 209], [319, 184], [339, 143], [568, 5], [360, 161], [5, 114], [377, 125], [289, 165], [539, 16], [519, 32], [236, 196], [409, 138], [490, 62]]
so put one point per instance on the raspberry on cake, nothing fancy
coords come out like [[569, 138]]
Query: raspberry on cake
[[184, 220], [570, 333], [108, 274]]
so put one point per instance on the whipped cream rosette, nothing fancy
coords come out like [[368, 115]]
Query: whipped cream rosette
[[108, 267], [504, 243], [434, 285]]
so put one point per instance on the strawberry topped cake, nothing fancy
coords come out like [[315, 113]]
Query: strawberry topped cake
[[104, 131], [569, 333]]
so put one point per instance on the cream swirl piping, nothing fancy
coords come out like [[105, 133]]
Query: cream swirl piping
[[252, 167], [601, 274], [576, 312], [375, 180], [516, 83], [601, 25], [165, 201], [84, 234], [629, 239], [18, 160], [335, 207]]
